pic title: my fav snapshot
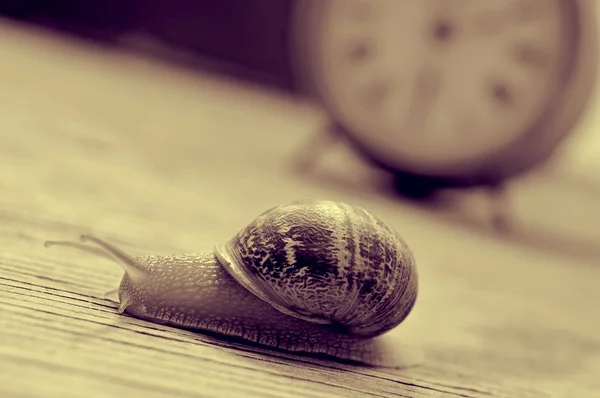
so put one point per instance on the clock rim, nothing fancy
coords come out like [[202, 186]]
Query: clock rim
[[554, 124]]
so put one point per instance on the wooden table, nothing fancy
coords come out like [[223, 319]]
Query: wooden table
[[160, 160]]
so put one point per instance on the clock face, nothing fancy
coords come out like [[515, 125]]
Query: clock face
[[441, 84]]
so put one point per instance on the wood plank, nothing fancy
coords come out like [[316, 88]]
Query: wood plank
[[159, 160]]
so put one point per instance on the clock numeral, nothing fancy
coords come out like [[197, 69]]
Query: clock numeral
[[443, 31], [375, 94], [361, 11], [527, 10], [530, 55], [502, 94], [359, 52]]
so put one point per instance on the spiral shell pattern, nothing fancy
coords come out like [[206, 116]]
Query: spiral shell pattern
[[326, 262]]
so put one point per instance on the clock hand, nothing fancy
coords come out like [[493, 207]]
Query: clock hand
[[500, 17], [426, 88]]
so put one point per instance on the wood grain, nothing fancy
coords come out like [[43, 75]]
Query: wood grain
[[159, 160]]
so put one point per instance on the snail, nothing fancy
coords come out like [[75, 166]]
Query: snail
[[313, 277]]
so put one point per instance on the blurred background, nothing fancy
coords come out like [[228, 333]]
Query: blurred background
[[471, 126], [485, 117]]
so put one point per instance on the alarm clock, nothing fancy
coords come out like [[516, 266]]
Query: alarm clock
[[447, 92], [454, 92]]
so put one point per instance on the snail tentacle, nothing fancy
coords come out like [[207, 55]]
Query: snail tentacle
[[136, 270], [79, 246]]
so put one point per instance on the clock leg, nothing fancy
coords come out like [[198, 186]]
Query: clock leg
[[501, 215], [315, 147], [414, 188]]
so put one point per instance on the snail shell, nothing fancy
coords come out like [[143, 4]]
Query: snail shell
[[312, 277], [326, 262]]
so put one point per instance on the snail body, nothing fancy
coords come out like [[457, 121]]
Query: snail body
[[313, 277]]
